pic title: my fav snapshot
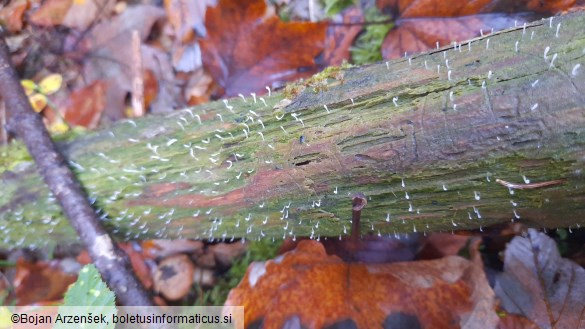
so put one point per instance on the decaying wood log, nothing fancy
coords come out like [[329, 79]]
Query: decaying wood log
[[495, 134]]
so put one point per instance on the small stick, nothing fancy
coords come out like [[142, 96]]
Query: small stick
[[359, 201], [137, 79], [531, 185]]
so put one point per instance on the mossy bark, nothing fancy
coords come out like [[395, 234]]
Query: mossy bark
[[424, 139]]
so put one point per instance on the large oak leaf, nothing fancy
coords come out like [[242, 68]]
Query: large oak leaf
[[420, 24], [247, 48], [309, 289]]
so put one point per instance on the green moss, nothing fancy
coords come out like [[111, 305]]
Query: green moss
[[367, 48], [333, 7], [258, 251]]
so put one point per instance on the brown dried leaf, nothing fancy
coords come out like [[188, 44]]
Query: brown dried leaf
[[83, 14], [313, 290], [13, 15], [540, 285], [51, 13], [419, 24], [174, 277], [247, 49], [86, 105]]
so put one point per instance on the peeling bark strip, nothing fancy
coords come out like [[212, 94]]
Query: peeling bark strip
[[111, 262], [424, 150]]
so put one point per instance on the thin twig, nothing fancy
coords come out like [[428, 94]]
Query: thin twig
[[112, 263]]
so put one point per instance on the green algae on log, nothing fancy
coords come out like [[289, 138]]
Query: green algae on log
[[424, 138]]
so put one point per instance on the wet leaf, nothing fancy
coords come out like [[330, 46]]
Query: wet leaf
[[82, 14], [86, 105], [164, 248], [12, 15], [51, 12], [50, 84], [110, 59], [420, 24], [138, 264], [174, 277], [341, 37], [29, 86], [314, 290], [38, 102], [247, 49], [540, 285], [40, 281]]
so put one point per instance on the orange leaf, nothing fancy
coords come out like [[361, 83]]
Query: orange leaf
[[38, 102], [51, 13], [246, 50], [314, 290], [138, 264], [40, 281], [13, 15], [86, 105], [340, 37]]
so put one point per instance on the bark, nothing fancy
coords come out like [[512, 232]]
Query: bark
[[434, 146]]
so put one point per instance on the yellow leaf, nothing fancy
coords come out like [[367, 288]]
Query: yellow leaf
[[38, 102], [29, 86], [5, 315], [59, 127], [50, 84]]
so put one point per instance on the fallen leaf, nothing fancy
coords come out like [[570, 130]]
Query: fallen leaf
[[340, 37], [29, 86], [421, 34], [51, 12], [439, 245], [164, 248], [225, 253], [420, 24], [40, 281], [138, 264], [109, 59], [82, 15], [514, 321], [247, 49], [174, 277], [50, 84], [198, 89], [38, 102], [86, 105], [308, 288], [540, 285], [12, 15]]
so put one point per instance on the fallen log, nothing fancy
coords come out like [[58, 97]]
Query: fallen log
[[457, 138]]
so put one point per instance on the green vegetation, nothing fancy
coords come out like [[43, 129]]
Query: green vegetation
[[333, 7], [367, 47], [258, 251]]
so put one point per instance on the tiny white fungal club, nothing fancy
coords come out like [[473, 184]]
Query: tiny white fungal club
[[575, 70], [552, 61]]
